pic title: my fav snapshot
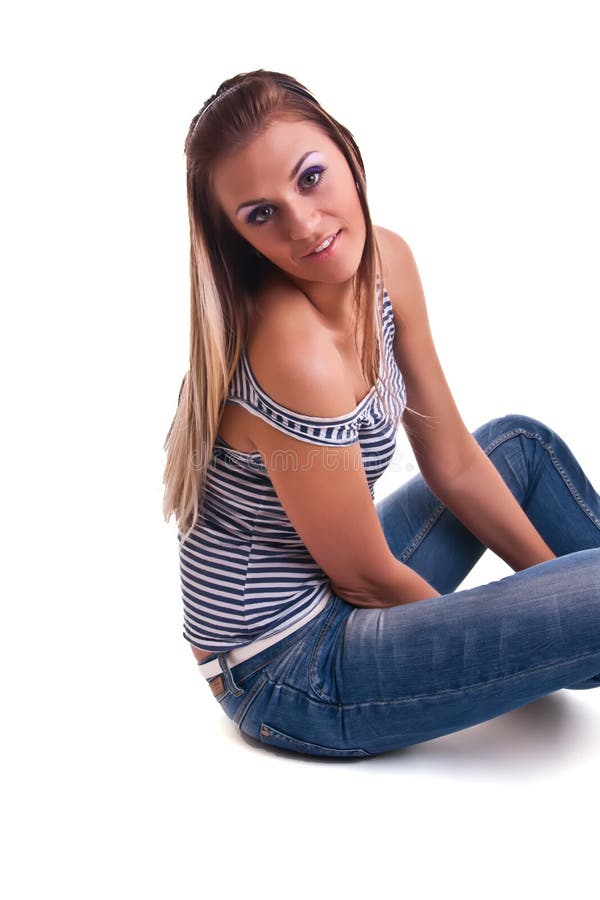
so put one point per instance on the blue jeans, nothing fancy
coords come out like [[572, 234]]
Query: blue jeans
[[357, 682]]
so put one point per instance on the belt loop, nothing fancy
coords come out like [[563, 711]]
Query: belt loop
[[228, 677]]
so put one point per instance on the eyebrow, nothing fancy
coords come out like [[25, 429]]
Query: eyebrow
[[293, 174]]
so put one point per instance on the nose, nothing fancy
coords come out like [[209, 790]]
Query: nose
[[302, 219]]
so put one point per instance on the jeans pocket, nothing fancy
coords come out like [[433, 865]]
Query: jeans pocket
[[275, 738], [236, 707], [321, 674]]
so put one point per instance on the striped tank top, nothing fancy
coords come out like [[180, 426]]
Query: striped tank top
[[245, 573]]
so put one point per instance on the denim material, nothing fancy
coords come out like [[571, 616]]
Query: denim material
[[357, 682]]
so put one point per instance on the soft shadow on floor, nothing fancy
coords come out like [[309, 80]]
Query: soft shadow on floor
[[540, 734]]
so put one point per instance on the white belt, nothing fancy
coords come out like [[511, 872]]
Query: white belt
[[238, 655]]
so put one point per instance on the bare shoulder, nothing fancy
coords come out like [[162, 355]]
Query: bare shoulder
[[400, 274], [394, 250], [293, 357]]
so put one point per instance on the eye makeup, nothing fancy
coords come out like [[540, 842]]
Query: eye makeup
[[254, 217]]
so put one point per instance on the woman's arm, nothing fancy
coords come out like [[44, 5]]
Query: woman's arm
[[479, 497], [324, 489], [451, 461]]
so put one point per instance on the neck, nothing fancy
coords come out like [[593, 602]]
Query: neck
[[335, 303]]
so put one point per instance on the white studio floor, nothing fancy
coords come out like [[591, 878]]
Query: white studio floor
[[148, 786], [123, 773]]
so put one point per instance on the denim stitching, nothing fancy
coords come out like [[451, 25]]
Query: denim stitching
[[242, 710], [550, 451], [418, 539], [422, 534], [303, 746], [315, 654], [301, 637]]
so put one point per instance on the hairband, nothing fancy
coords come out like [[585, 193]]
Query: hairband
[[284, 84], [299, 90]]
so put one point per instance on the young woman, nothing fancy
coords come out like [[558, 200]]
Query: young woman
[[325, 623]]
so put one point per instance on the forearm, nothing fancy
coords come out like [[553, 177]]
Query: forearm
[[399, 584], [480, 498]]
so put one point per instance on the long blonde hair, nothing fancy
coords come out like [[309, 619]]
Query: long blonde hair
[[226, 273]]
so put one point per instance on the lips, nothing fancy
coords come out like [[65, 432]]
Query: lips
[[321, 241]]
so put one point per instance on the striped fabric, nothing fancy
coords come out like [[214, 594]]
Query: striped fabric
[[245, 573]]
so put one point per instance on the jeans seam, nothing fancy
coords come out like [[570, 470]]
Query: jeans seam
[[554, 460], [289, 647], [312, 672], [315, 701], [267, 730], [507, 435], [422, 534], [242, 710], [437, 512]]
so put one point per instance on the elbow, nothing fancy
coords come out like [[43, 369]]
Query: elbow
[[370, 589], [440, 478], [358, 594]]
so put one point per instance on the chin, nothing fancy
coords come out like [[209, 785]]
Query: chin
[[349, 269]]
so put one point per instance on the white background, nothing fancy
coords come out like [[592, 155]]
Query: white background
[[122, 777]]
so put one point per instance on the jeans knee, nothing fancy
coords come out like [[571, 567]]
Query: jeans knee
[[517, 423]]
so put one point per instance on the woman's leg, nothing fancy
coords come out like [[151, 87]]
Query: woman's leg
[[366, 681], [541, 472], [543, 475], [371, 680], [410, 673]]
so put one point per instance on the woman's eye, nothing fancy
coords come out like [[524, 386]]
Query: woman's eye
[[259, 215], [309, 179], [312, 176]]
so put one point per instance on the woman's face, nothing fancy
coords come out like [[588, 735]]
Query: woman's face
[[289, 191]]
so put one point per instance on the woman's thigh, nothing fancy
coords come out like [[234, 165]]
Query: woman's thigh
[[409, 673], [366, 681]]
